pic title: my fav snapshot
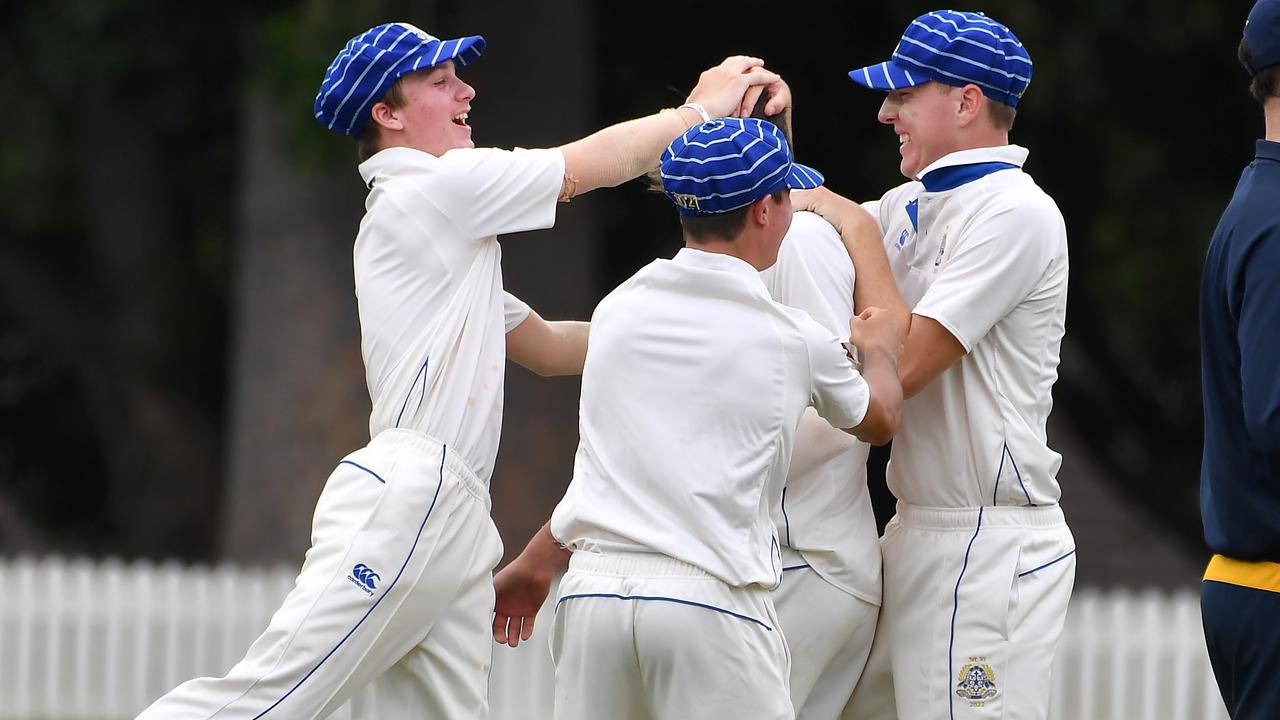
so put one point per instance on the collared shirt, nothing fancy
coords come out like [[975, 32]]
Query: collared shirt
[[825, 512], [694, 382], [1240, 368], [428, 279], [987, 259]]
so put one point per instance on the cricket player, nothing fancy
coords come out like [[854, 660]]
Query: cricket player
[[694, 382], [978, 561], [829, 597], [396, 589], [1239, 358]]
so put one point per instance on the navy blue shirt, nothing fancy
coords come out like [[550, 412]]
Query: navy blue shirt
[[1240, 368]]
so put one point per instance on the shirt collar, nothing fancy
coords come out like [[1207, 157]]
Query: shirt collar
[[997, 157], [1268, 150], [393, 161], [715, 261]]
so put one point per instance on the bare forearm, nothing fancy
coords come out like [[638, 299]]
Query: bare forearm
[[624, 151], [875, 286], [567, 352], [884, 411], [549, 348], [544, 553]]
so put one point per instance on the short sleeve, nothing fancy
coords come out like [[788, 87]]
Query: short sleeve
[[992, 265], [1258, 286], [487, 191], [840, 394], [514, 311]]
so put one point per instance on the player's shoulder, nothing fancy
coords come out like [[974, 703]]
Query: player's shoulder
[[1015, 200], [900, 194], [810, 237]]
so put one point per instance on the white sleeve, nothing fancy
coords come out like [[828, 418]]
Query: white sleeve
[[992, 266], [487, 191], [840, 394], [514, 311]]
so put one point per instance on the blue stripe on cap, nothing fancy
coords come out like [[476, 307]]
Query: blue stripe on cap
[[956, 48], [370, 62], [729, 163]]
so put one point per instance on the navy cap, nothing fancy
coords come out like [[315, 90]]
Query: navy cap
[[1262, 34], [372, 61], [956, 48], [729, 163]]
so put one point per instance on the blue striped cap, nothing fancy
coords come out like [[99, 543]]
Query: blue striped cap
[[361, 74], [956, 48], [1262, 34], [729, 163]]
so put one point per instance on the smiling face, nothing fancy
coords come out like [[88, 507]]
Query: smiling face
[[433, 118], [928, 121]]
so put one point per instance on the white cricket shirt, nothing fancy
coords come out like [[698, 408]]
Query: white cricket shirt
[[694, 382], [987, 260], [428, 277], [825, 511]]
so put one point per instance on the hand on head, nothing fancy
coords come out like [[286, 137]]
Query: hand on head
[[723, 89], [777, 97]]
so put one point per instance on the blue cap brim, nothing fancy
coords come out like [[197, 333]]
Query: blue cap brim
[[462, 51], [803, 177], [888, 76]]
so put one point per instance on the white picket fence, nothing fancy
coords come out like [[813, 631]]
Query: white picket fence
[[82, 639]]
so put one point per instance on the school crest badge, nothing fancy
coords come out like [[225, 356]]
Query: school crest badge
[[976, 682]]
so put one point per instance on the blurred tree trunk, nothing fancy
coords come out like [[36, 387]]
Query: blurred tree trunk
[[299, 402]]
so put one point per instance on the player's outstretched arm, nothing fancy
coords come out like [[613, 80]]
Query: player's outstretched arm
[[627, 150], [522, 586], [876, 334], [549, 348]]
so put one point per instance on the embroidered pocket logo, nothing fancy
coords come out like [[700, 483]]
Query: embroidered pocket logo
[[976, 682]]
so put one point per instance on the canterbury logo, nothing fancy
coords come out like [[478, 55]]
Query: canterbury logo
[[364, 578]]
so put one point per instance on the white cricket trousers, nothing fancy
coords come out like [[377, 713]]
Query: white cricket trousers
[[829, 632], [974, 602], [647, 637], [396, 591]]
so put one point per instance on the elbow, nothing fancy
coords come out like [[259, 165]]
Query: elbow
[[881, 422], [885, 430]]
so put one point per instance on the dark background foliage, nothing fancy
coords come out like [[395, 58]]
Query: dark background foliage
[[175, 229]]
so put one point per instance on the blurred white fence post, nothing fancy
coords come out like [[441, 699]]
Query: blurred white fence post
[[83, 640]]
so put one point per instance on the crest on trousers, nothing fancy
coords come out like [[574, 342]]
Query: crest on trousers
[[976, 682]]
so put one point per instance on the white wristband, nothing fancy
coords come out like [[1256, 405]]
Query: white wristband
[[698, 109]]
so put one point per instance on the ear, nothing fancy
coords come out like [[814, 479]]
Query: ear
[[386, 116], [760, 211], [972, 104]]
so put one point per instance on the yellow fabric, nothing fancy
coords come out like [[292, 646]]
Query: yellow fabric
[[1261, 575]]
